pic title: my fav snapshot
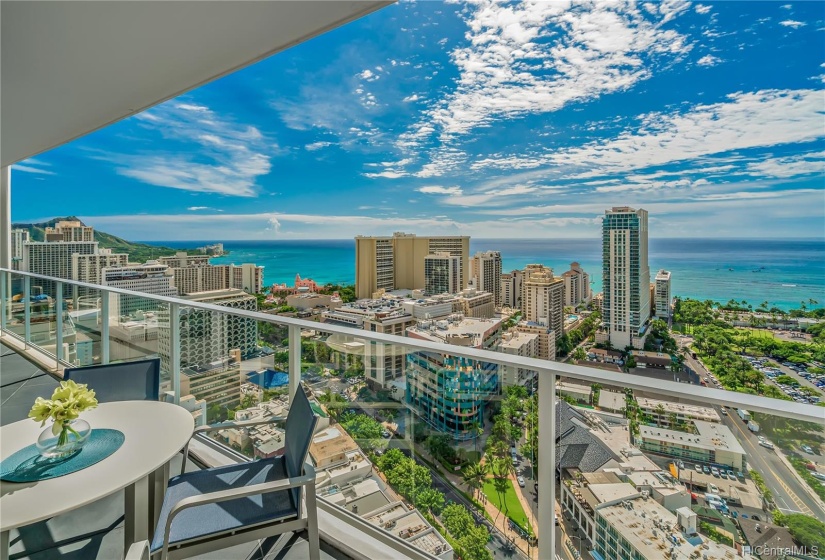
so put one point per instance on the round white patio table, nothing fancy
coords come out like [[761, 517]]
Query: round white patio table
[[154, 433]]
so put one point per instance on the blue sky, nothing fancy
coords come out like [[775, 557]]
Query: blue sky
[[484, 119]]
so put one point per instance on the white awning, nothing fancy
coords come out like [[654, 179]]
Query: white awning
[[69, 68]]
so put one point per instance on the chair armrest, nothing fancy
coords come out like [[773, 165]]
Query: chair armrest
[[223, 426], [138, 551], [232, 494]]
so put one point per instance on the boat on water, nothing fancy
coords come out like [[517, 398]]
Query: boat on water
[[789, 285]]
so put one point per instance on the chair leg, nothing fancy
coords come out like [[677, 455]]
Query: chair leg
[[312, 523]]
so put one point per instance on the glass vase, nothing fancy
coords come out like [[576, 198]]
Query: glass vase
[[71, 438]]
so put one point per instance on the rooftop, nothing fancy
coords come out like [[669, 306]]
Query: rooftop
[[651, 529], [704, 413], [710, 435], [451, 331]]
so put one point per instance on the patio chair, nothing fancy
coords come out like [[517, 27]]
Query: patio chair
[[124, 381], [220, 507]]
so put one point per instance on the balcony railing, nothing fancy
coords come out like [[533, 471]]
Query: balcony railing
[[220, 360]]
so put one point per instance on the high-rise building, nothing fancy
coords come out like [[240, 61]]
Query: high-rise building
[[485, 273], [70, 230], [546, 349], [542, 299], [182, 260], [18, 238], [511, 289], [663, 298], [625, 276], [248, 277], [450, 393], [207, 336], [576, 286], [89, 268], [518, 343], [397, 262], [441, 274], [197, 276], [151, 278], [53, 258]]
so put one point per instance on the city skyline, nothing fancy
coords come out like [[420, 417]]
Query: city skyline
[[492, 121]]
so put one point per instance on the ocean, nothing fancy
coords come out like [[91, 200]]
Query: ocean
[[782, 272]]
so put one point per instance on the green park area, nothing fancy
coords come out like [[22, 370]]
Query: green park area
[[501, 493]]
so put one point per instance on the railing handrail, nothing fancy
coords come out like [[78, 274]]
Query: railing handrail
[[754, 403]]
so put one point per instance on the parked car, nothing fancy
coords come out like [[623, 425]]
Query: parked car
[[714, 471], [713, 488], [766, 443], [520, 481], [681, 465], [808, 449], [731, 475], [705, 469], [698, 468]]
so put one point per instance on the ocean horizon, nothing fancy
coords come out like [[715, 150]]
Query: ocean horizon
[[783, 272]]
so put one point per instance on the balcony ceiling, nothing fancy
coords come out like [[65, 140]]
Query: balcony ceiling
[[69, 68]]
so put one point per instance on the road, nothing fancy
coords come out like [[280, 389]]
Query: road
[[789, 491]]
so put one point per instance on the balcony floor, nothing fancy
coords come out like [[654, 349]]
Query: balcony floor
[[96, 531]]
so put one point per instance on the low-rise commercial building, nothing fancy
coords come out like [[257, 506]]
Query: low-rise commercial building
[[518, 344], [410, 525], [665, 412], [709, 442]]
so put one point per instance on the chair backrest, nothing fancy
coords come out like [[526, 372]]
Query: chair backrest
[[125, 381], [300, 426]]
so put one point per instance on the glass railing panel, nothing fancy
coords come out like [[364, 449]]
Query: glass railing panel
[[666, 476], [430, 430], [14, 305]]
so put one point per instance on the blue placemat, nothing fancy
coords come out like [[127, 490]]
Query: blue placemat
[[27, 465]]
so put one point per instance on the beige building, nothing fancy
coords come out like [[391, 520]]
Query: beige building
[[475, 303], [88, 268], [182, 260], [485, 273], [662, 295], [218, 382], [542, 299], [70, 230], [576, 286], [518, 344], [510, 288], [18, 238], [708, 442], [546, 338], [397, 262], [206, 278], [662, 412]]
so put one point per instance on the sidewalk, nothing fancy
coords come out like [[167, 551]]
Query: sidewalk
[[498, 519]]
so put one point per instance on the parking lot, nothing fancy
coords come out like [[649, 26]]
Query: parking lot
[[741, 491]]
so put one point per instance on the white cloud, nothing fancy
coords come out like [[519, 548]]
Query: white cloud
[[746, 120], [31, 169], [435, 189], [786, 6], [702, 9], [708, 60], [366, 74], [791, 166], [317, 145], [410, 98], [196, 208], [512, 66], [792, 23], [230, 156]]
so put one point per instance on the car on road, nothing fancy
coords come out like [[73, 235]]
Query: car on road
[[713, 488], [724, 412], [714, 471], [681, 465], [520, 481], [808, 449], [385, 434], [766, 443], [698, 467]]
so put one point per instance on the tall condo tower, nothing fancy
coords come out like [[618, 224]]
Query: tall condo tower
[[625, 276], [485, 272]]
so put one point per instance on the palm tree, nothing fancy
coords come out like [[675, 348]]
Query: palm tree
[[474, 476]]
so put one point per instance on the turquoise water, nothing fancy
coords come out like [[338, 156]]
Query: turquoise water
[[782, 272]]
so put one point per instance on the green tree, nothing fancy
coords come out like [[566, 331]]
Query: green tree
[[579, 354], [809, 531], [430, 500]]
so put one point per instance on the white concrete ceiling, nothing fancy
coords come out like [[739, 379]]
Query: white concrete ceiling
[[71, 67]]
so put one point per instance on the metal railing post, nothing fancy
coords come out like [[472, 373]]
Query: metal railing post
[[174, 350], [4, 299], [58, 323], [27, 310], [294, 359], [104, 327], [547, 464]]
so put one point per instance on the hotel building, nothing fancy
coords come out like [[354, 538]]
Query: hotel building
[[662, 295], [151, 278], [441, 274], [485, 273], [625, 276], [576, 286], [451, 393], [511, 283], [397, 262], [542, 300], [88, 268], [518, 344], [53, 258], [70, 230], [18, 238]]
